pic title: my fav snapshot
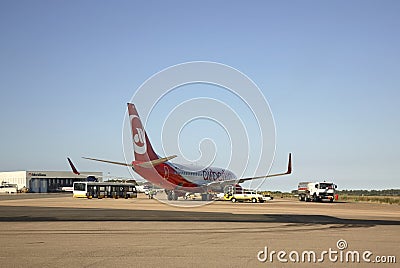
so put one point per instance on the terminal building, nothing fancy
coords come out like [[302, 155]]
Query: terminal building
[[44, 181]]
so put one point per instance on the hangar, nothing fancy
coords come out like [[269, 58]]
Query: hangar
[[45, 181]]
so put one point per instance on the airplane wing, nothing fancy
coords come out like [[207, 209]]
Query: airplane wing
[[288, 171], [110, 162], [84, 175]]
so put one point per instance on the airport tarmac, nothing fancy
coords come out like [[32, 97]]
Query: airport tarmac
[[58, 230]]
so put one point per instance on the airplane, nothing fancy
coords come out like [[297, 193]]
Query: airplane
[[177, 179]]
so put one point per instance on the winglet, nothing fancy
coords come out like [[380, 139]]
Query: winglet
[[74, 170], [289, 168]]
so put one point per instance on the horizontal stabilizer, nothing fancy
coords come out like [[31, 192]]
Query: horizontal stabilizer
[[156, 162]]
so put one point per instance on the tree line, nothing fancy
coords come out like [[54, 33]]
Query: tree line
[[388, 192]]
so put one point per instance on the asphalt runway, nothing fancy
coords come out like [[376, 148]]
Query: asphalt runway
[[60, 231]]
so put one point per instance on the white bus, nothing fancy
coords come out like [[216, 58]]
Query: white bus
[[89, 189]]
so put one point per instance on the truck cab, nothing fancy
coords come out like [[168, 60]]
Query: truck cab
[[322, 191]]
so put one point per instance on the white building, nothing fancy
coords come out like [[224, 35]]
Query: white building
[[45, 181]]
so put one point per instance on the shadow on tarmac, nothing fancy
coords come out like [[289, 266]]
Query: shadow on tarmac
[[35, 214]]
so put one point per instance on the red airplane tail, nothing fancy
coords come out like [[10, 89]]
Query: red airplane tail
[[141, 145]]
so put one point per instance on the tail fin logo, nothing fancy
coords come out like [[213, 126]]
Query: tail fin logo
[[139, 137]]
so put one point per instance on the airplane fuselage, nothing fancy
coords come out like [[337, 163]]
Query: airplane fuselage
[[171, 176]]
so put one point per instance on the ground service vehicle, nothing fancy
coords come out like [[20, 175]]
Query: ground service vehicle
[[8, 188], [244, 196], [267, 197], [104, 189], [316, 191]]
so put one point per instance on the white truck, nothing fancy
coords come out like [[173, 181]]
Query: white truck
[[316, 191]]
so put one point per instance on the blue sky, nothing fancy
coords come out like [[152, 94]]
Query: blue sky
[[329, 70]]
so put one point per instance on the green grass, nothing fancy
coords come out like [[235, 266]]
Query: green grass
[[371, 199]]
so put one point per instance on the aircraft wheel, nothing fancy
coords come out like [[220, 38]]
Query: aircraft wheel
[[169, 196]]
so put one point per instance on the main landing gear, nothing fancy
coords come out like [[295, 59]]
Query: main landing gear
[[171, 195]]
